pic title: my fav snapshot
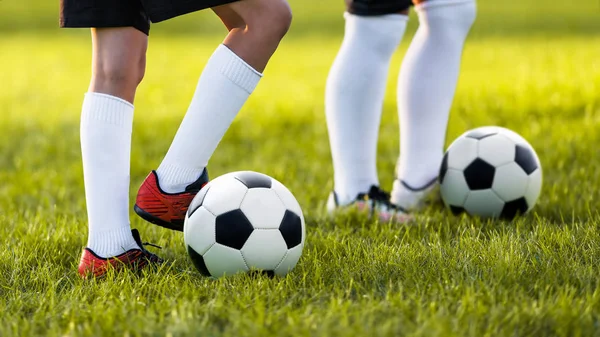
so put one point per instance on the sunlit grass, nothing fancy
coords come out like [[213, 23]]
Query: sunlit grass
[[445, 276]]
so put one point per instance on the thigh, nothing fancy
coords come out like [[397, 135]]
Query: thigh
[[230, 18], [161, 10], [103, 14], [377, 7], [241, 13]]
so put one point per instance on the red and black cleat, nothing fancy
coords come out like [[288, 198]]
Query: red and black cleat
[[92, 265], [166, 209]]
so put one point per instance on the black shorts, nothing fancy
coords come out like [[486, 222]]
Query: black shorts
[[127, 13], [378, 7]]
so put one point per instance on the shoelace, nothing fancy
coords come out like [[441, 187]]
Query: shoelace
[[377, 194], [150, 256], [136, 236], [379, 199], [151, 245], [138, 240]]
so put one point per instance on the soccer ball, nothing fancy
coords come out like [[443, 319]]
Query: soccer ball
[[244, 221], [491, 172]]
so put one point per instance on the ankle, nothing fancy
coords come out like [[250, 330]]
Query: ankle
[[111, 243], [175, 179]]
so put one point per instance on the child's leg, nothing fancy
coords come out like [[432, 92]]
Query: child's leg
[[354, 94], [255, 29], [231, 74], [106, 121], [426, 88]]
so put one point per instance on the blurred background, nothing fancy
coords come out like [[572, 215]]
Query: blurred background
[[323, 18], [529, 65]]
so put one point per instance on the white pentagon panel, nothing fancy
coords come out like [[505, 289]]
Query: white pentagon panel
[[497, 150], [288, 199], [462, 152], [225, 194], [510, 182], [199, 230], [224, 261], [484, 203], [290, 261], [515, 137], [534, 188], [264, 249], [263, 208], [454, 189]]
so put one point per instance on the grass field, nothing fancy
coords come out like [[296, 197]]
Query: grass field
[[529, 67]]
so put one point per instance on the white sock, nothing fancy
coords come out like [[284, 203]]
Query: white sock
[[427, 84], [106, 124], [354, 99], [224, 86]]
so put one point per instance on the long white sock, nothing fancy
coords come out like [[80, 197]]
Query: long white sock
[[427, 84], [106, 124], [224, 86], [354, 98]]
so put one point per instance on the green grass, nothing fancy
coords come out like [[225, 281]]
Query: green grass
[[532, 68]]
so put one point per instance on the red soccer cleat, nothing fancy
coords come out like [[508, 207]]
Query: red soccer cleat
[[166, 209], [134, 259]]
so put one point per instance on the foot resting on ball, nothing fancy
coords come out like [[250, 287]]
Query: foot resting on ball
[[376, 202], [92, 265], [166, 209]]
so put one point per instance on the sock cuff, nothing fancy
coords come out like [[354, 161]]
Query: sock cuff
[[236, 69], [440, 3], [106, 108]]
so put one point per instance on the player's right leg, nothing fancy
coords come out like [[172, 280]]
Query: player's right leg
[[255, 29], [354, 99], [118, 62], [426, 87]]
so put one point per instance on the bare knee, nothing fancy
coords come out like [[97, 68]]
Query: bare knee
[[277, 19], [119, 61], [269, 19], [255, 28], [114, 72]]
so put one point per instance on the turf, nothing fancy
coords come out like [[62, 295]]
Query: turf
[[532, 68]]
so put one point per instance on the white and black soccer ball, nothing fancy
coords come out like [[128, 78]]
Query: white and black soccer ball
[[491, 172], [244, 221]]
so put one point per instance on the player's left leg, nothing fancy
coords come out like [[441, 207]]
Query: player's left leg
[[426, 87], [354, 97], [118, 65], [255, 29]]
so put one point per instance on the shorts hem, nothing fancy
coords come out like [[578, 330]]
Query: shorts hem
[[378, 7], [441, 3], [86, 24], [377, 12]]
